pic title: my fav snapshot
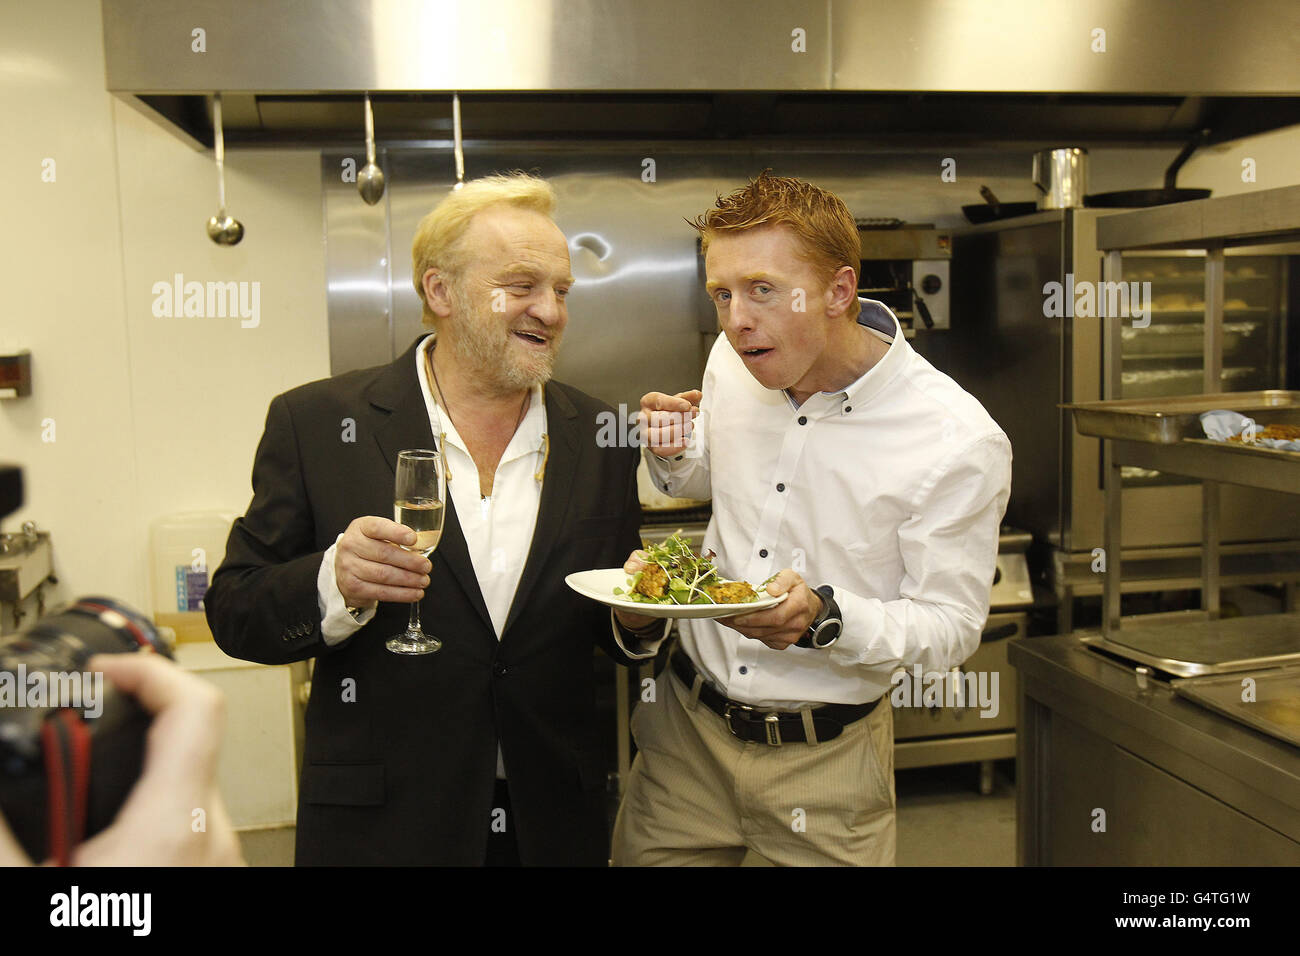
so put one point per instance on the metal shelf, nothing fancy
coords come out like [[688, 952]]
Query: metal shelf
[[1208, 460], [1266, 215], [1254, 218], [1171, 420], [1196, 648]]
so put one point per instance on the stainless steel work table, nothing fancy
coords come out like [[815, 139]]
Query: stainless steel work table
[[1173, 783]]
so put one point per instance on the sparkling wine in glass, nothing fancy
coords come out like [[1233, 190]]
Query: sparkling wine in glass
[[419, 499]]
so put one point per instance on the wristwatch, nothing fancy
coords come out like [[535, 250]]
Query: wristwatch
[[826, 626]]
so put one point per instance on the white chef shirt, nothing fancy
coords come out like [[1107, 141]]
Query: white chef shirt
[[498, 529], [890, 490]]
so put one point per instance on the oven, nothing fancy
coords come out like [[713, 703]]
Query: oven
[[1023, 357], [969, 715], [907, 268]]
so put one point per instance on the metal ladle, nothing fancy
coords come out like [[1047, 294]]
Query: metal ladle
[[222, 229], [370, 181], [458, 150]]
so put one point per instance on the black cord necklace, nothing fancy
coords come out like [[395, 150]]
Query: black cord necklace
[[442, 400]]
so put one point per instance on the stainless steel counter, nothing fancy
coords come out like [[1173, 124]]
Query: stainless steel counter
[[1111, 774]]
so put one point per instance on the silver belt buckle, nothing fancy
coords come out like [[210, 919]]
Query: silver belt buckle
[[726, 715], [771, 723]]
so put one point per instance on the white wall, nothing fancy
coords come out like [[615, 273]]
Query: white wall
[[150, 415], [1277, 163], [1217, 168]]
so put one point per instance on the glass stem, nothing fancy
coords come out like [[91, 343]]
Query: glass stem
[[414, 625]]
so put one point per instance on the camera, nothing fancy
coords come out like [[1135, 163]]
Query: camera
[[71, 745]]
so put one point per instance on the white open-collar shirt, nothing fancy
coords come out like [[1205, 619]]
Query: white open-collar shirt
[[891, 490], [498, 528]]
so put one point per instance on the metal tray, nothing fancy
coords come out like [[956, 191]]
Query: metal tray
[[1275, 710], [1158, 383], [1200, 648], [1246, 448], [1170, 420], [1179, 341]]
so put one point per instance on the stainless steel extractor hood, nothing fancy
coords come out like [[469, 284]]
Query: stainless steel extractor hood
[[293, 71]]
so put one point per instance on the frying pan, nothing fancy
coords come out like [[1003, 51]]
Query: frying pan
[[991, 210], [1138, 198]]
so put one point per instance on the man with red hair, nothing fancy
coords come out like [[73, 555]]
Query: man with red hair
[[871, 485]]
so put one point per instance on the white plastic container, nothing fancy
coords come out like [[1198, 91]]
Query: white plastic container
[[185, 549]]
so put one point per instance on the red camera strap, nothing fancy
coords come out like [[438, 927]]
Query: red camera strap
[[66, 742]]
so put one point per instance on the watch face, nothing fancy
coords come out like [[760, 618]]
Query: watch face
[[827, 633]]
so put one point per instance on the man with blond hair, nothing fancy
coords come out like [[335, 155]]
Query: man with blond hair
[[486, 751], [869, 486]]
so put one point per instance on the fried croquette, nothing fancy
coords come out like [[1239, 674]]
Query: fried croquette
[[653, 583], [732, 592]]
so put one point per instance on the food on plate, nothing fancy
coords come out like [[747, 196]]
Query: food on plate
[[675, 574], [733, 592], [1272, 433], [653, 582]]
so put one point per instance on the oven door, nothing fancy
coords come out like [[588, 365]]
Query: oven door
[[995, 682]]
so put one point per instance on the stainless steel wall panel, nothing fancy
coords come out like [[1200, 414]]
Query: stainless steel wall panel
[[997, 281], [357, 269], [1156, 46], [639, 319]]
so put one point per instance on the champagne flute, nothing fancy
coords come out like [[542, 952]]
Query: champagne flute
[[419, 496]]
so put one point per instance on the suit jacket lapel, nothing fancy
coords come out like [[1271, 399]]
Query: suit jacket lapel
[[557, 493], [397, 391]]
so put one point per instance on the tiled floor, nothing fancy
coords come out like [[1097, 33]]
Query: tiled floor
[[942, 821], [268, 847]]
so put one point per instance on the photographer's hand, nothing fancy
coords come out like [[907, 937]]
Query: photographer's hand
[[11, 854], [158, 825]]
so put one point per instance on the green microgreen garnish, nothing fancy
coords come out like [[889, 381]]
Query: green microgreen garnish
[[688, 573]]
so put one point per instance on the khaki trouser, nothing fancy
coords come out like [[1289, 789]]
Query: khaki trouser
[[697, 795]]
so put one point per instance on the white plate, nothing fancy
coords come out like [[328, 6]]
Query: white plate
[[599, 586]]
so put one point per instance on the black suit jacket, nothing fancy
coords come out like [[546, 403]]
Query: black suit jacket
[[404, 773]]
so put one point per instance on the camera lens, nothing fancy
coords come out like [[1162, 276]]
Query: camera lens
[[64, 728]]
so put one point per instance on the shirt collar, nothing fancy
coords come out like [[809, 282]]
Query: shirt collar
[[873, 381], [527, 438]]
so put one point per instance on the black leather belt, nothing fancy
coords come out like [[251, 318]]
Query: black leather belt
[[774, 727]]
